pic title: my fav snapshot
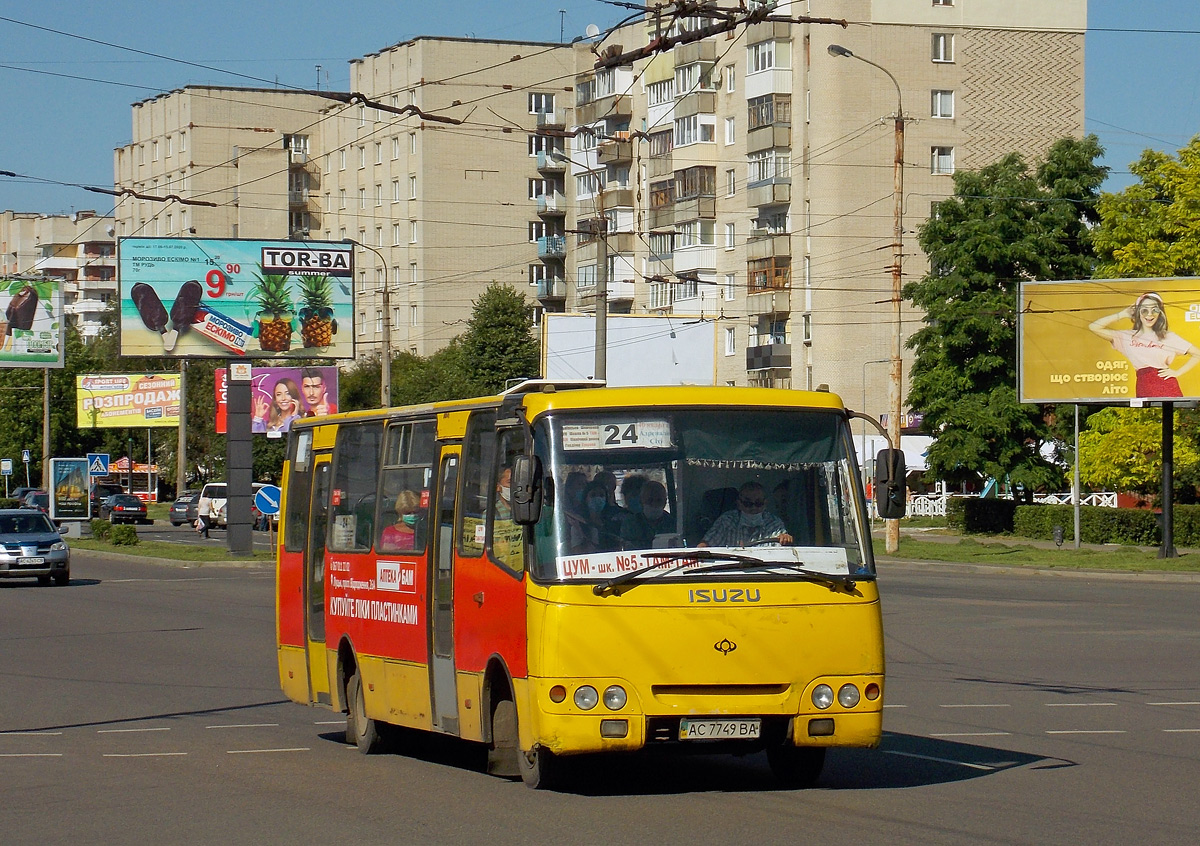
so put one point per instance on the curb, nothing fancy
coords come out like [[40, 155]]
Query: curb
[[1030, 570]]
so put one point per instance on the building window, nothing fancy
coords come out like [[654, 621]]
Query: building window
[[943, 2], [412, 187], [379, 195], [730, 287], [537, 188], [378, 236], [412, 313], [730, 130], [412, 232], [941, 160], [378, 152], [395, 147], [730, 341], [730, 235], [661, 144], [537, 230], [412, 275], [362, 198], [769, 164], [540, 144], [766, 55], [362, 156], [942, 104], [362, 323], [943, 47], [362, 115], [695, 182], [729, 79], [341, 159], [341, 198], [693, 77], [660, 93], [395, 234], [541, 104], [412, 143], [695, 233], [396, 191], [183, 142], [730, 183], [153, 151], [694, 129], [769, 109], [328, 202], [170, 146]]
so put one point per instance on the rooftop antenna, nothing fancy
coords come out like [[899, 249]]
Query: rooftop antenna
[[592, 30], [318, 77], [562, 24]]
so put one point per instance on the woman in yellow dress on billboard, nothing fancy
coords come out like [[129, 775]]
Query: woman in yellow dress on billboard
[[1150, 348]]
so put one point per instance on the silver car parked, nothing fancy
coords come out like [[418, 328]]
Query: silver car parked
[[30, 547]]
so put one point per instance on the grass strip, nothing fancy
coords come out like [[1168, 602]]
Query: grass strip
[[1130, 559], [172, 551]]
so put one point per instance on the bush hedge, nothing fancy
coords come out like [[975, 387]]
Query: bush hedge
[[123, 536], [1106, 525], [980, 516], [100, 529], [9, 502]]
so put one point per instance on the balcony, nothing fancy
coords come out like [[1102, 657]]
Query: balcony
[[766, 245], [552, 247], [611, 106], [695, 51], [768, 356], [617, 197], [695, 258], [662, 217], [659, 167], [619, 291], [297, 196], [614, 151], [552, 289], [552, 120], [774, 192], [550, 162], [696, 103], [770, 301], [768, 137], [551, 205], [695, 208]]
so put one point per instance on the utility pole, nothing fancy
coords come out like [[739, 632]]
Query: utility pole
[[385, 359], [181, 445], [601, 368]]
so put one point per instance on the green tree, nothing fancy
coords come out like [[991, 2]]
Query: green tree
[[1121, 450], [1005, 223], [498, 344], [1152, 227]]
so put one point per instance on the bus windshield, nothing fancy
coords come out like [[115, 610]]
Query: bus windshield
[[769, 487]]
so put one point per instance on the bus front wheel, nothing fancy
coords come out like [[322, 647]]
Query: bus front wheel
[[360, 729], [796, 766]]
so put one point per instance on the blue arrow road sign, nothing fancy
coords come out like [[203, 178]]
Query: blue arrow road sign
[[267, 499], [97, 463]]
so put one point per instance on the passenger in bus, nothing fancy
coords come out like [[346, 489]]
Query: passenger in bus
[[572, 491], [609, 481], [508, 539], [631, 490], [639, 530], [750, 524], [504, 495], [402, 535], [603, 520]]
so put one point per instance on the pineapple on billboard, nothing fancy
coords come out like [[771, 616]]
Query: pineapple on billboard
[[196, 297]]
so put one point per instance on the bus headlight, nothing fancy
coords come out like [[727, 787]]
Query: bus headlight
[[615, 697], [822, 696], [586, 697], [848, 695]]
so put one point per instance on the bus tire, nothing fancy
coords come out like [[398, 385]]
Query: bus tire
[[796, 766], [504, 749], [540, 768], [360, 729]]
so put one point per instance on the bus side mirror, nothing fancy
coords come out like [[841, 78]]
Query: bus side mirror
[[890, 473], [526, 489]]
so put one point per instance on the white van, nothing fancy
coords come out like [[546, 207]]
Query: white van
[[217, 492]]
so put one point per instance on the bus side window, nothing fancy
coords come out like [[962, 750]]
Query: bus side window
[[507, 539], [355, 476], [403, 507], [479, 456]]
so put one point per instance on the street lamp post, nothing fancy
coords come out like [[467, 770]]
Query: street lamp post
[[385, 380], [895, 381]]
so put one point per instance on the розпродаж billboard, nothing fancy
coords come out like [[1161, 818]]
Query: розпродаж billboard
[[119, 400], [189, 297], [1110, 340], [31, 329]]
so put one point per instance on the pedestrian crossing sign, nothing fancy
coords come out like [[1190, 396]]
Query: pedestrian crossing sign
[[97, 463]]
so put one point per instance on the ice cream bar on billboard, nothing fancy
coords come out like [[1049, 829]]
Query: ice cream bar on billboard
[[153, 313], [225, 331], [183, 310]]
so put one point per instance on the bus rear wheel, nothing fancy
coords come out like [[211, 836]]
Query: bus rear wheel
[[796, 766], [504, 751], [360, 729]]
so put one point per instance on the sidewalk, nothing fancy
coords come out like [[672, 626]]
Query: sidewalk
[[941, 535]]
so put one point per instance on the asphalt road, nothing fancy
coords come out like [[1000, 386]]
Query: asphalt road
[[140, 705]]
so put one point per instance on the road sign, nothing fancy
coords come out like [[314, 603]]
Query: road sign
[[25, 455], [266, 500], [97, 463], [5, 466]]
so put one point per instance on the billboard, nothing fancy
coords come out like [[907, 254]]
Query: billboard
[[279, 395], [1109, 340], [642, 349], [116, 400], [70, 489], [32, 334], [193, 297]]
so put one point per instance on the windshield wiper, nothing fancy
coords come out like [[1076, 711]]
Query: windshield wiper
[[833, 581]]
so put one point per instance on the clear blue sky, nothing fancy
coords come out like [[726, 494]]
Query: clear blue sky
[[66, 101]]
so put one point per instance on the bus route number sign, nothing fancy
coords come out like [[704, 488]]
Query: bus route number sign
[[617, 434]]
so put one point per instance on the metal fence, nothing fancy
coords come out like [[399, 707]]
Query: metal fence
[[934, 505]]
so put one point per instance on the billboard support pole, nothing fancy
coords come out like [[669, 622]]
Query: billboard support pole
[[239, 462], [46, 427], [1167, 550], [1078, 490], [181, 447]]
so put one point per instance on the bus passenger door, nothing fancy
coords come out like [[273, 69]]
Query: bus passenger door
[[445, 690], [314, 582]]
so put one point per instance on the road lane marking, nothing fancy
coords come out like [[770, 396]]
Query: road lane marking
[[263, 751], [999, 705], [1169, 704], [1086, 731], [1081, 704], [1177, 731], [972, 734], [30, 754], [246, 726], [343, 722], [939, 760], [130, 731], [144, 754], [895, 706]]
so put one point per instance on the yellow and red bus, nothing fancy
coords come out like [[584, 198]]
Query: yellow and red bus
[[561, 570]]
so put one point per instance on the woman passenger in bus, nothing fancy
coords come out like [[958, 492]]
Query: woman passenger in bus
[[603, 528], [402, 535], [652, 519]]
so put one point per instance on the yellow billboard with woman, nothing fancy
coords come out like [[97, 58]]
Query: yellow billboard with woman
[[1110, 340]]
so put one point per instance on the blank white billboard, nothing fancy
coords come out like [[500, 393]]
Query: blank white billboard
[[642, 349]]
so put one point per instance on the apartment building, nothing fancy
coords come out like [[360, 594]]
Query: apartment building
[[245, 150], [747, 177], [448, 203], [78, 248]]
